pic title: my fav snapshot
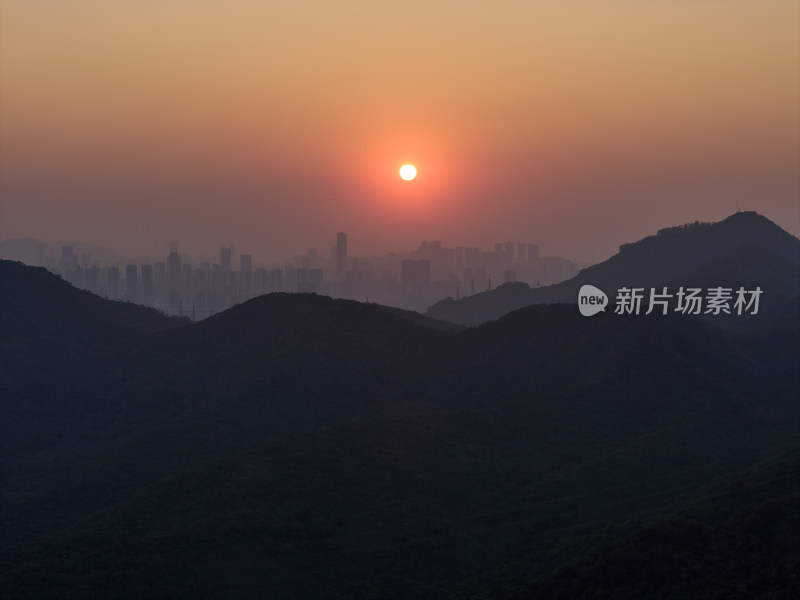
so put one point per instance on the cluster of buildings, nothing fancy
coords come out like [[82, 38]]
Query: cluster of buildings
[[412, 280]]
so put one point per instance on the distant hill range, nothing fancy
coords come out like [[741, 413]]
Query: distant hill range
[[34, 252], [746, 249], [297, 446]]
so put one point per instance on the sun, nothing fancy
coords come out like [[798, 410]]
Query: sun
[[408, 172]]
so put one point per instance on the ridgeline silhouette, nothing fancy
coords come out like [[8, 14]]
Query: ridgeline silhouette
[[746, 249], [297, 446]]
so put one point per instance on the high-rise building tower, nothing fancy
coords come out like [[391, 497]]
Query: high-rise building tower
[[472, 257], [187, 281], [174, 268], [148, 290], [113, 283], [160, 283], [415, 273], [341, 255], [132, 283], [225, 258], [246, 268], [533, 254], [459, 258], [508, 261], [69, 260]]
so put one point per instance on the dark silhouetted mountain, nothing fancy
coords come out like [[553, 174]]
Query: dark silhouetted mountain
[[33, 296], [746, 249], [298, 446], [48, 324], [727, 541]]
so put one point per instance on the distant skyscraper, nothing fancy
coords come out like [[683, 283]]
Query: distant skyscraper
[[533, 254], [415, 273], [509, 255], [245, 263], [187, 281], [246, 268], [225, 258], [91, 279], [459, 258], [160, 283], [521, 254], [132, 283], [148, 295], [341, 255], [472, 257], [113, 283], [69, 260], [174, 268]]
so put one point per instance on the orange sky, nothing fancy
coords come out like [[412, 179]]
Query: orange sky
[[577, 125]]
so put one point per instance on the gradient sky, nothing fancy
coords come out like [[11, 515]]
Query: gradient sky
[[577, 125]]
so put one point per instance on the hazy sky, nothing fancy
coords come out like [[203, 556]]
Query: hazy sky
[[577, 125]]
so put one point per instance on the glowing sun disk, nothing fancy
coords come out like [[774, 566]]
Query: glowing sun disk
[[408, 172]]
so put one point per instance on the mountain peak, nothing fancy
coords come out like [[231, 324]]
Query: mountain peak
[[745, 247]]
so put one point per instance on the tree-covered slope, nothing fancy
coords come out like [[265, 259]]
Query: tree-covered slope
[[297, 446]]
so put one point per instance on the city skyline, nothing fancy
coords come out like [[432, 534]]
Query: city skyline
[[25, 250], [182, 285], [578, 125]]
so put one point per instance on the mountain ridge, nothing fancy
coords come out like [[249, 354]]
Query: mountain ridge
[[667, 258], [301, 446]]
